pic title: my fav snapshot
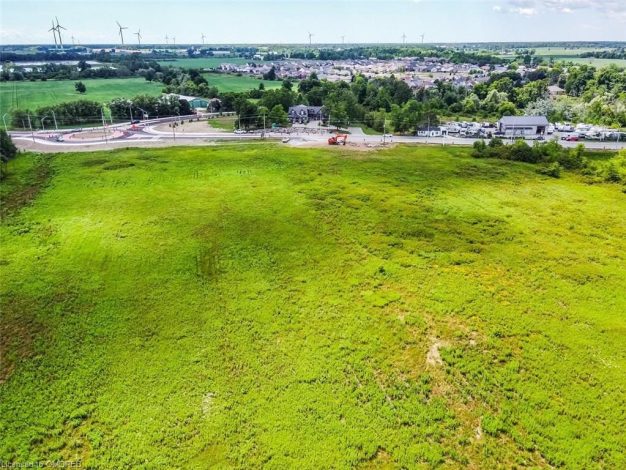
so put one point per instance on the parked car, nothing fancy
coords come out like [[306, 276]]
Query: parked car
[[239, 131], [388, 136], [571, 138]]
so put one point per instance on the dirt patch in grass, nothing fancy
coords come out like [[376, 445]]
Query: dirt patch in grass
[[94, 162], [118, 166], [433, 358], [18, 330], [22, 189]]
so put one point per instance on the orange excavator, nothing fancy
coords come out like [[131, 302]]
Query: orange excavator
[[339, 139]]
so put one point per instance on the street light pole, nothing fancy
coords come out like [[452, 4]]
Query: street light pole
[[104, 129], [31, 128], [54, 116], [43, 126], [5, 122]]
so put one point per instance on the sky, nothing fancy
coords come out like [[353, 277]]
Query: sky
[[290, 21]]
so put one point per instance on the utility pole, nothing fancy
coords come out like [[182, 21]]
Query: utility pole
[[130, 110], [384, 130], [104, 128], [31, 129], [54, 116], [6, 130]]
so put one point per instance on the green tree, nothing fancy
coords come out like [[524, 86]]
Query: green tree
[[271, 74], [278, 116], [246, 113], [80, 87], [8, 150]]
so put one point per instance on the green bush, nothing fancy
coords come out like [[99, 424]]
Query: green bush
[[553, 170]]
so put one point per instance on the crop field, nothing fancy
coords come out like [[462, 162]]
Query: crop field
[[567, 51], [234, 83], [32, 95], [248, 306], [204, 62], [595, 61]]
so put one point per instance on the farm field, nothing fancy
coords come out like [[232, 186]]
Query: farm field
[[32, 95], [595, 61], [204, 62], [234, 83], [255, 306], [566, 51]]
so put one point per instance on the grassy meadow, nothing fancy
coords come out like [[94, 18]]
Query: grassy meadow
[[32, 95], [234, 83], [248, 306]]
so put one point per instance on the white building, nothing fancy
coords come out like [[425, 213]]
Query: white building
[[522, 125]]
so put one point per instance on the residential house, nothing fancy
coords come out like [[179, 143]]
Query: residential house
[[555, 90], [302, 114]]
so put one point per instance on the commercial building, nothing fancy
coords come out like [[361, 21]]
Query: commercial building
[[522, 125]]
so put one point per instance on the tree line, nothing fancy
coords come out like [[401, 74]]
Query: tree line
[[552, 157]]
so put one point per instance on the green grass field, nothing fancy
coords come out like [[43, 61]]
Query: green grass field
[[204, 62], [32, 95], [566, 51], [249, 306], [233, 83], [225, 123], [595, 62]]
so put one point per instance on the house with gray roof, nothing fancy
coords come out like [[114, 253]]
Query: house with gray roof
[[303, 114]]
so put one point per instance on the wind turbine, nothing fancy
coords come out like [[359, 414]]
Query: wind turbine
[[122, 28], [403, 38], [422, 36], [167, 39], [203, 36], [174, 40], [138, 34], [310, 40], [54, 33], [59, 28], [343, 39]]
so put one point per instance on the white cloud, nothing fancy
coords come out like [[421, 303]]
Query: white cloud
[[614, 9], [525, 11]]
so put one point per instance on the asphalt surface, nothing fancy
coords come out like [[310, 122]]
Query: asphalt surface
[[145, 134]]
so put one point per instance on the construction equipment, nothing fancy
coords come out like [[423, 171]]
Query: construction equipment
[[339, 139]]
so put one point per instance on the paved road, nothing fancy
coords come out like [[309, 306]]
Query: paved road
[[146, 134]]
